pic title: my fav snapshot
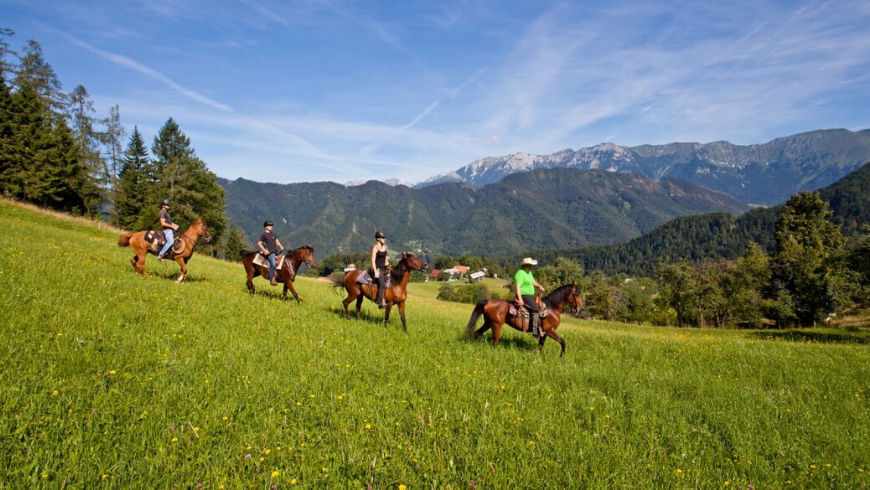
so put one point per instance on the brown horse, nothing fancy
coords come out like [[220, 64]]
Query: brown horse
[[181, 252], [395, 294], [495, 314], [286, 274]]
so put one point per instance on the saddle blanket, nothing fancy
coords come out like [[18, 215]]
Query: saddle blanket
[[261, 259], [524, 313], [365, 279], [151, 236]]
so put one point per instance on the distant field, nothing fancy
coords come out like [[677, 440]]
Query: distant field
[[116, 380], [430, 289]]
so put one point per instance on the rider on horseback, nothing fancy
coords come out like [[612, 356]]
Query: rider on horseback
[[270, 246], [169, 227], [379, 265], [525, 285]]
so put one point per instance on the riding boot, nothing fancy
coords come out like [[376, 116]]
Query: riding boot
[[536, 325], [380, 299]]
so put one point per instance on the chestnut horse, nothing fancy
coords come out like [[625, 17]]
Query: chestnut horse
[[286, 274], [495, 314], [395, 294], [180, 253]]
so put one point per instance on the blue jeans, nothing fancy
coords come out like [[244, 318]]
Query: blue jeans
[[271, 258], [170, 238]]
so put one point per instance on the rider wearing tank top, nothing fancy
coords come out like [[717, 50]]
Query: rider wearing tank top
[[379, 265]]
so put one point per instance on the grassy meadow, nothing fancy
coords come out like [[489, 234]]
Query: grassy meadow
[[112, 380]]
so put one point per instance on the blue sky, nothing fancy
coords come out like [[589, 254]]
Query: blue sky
[[313, 90]]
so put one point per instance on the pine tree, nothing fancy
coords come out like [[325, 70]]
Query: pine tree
[[131, 193], [6, 66], [88, 141], [185, 180], [39, 75], [236, 242]]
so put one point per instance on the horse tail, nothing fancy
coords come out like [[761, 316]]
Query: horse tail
[[472, 322], [337, 283], [124, 240]]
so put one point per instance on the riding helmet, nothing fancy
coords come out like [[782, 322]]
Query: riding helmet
[[267, 223], [164, 202], [380, 234]]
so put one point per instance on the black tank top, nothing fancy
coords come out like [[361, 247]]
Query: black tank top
[[381, 259]]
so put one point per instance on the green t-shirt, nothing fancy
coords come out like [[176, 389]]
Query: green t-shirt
[[526, 281]]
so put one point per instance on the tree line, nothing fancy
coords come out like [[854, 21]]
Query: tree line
[[55, 152]]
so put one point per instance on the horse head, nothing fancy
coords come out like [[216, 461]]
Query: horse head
[[413, 262], [305, 253], [202, 232], [574, 299]]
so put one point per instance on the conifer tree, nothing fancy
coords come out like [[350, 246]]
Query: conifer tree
[[185, 180], [131, 193], [39, 75]]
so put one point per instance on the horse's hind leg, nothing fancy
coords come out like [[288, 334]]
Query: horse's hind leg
[[359, 302], [482, 330]]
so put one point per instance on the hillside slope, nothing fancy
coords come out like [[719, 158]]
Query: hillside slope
[[540, 209], [718, 235]]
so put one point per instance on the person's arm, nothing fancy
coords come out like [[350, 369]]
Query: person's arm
[[374, 266], [262, 246], [539, 286], [278, 242]]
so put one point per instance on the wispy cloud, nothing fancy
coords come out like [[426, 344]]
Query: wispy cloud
[[150, 72]]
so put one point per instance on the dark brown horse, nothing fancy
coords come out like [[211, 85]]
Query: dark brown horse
[[286, 274], [395, 294], [181, 252], [496, 313]]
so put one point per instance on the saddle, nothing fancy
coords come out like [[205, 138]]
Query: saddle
[[261, 260], [158, 239], [368, 278]]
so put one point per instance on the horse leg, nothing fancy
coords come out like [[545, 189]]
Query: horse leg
[[140, 263], [496, 335], [183, 264], [387, 313], [480, 331], [402, 315], [289, 285], [359, 302], [552, 334], [250, 281]]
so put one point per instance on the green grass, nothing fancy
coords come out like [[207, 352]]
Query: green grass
[[115, 380]]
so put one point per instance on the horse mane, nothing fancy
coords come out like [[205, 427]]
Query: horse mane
[[558, 295], [399, 270]]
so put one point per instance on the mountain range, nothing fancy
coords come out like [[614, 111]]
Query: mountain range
[[548, 208], [762, 174]]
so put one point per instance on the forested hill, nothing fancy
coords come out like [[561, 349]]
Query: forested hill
[[717, 235], [554, 208]]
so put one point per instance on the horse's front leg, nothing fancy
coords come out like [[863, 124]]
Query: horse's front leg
[[289, 285], [402, 315], [183, 265], [552, 334]]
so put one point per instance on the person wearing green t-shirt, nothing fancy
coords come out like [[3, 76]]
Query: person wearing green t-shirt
[[525, 285]]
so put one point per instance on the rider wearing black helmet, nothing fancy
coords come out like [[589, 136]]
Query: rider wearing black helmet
[[270, 246], [169, 227], [379, 265]]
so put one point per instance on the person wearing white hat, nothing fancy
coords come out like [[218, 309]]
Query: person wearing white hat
[[525, 285]]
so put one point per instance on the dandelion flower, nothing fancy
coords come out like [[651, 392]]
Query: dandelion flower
[[368, 426], [105, 476], [403, 487], [293, 481], [174, 439], [112, 372], [275, 474], [267, 451], [54, 393]]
